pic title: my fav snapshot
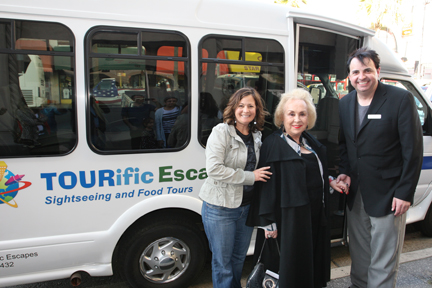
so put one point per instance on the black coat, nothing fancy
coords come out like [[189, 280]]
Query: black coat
[[385, 157], [284, 199]]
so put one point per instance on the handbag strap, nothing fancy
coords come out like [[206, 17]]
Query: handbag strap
[[277, 245], [262, 249]]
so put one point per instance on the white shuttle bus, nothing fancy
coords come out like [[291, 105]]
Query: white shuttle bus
[[81, 192]]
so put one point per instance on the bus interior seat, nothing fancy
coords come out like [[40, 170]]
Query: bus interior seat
[[328, 124], [316, 94], [328, 120]]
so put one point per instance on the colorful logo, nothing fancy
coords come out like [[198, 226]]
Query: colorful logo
[[10, 185]]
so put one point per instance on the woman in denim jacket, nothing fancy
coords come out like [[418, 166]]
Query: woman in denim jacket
[[231, 157]]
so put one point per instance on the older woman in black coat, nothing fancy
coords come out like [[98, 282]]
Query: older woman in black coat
[[292, 205]]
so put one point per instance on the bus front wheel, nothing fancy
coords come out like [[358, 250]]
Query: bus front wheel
[[163, 256]]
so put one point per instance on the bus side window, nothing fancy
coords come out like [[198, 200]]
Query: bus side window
[[138, 93], [37, 110], [422, 109], [231, 63]]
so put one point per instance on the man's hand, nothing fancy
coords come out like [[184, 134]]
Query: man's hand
[[400, 206]]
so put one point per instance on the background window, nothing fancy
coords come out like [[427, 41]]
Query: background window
[[37, 115]]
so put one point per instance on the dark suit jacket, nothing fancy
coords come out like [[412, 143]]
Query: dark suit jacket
[[384, 159]]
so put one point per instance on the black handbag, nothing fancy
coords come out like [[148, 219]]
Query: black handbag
[[256, 277], [271, 280], [258, 272]]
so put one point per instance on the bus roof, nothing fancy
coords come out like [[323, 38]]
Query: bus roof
[[238, 15], [265, 18]]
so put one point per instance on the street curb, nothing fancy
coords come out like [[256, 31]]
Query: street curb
[[405, 257]]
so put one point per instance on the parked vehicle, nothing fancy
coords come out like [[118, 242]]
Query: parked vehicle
[[32, 82], [79, 199]]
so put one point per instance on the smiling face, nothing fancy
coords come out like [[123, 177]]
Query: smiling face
[[295, 118], [245, 112], [364, 77]]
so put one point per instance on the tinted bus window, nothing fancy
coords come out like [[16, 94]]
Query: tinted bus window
[[423, 111], [43, 36], [5, 35], [115, 43], [37, 114], [228, 64], [164, 44], [138, 90]]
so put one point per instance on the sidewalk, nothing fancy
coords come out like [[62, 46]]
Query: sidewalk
[[415, 271]]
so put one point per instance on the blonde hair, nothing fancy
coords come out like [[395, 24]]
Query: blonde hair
[[300, 94]]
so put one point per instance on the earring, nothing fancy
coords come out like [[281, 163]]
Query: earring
[[235, 121], [255, 121]]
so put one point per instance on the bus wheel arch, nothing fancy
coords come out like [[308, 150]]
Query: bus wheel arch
[[425, 226], [165, 249]]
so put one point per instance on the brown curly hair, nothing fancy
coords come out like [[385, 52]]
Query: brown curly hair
[[229, 112]]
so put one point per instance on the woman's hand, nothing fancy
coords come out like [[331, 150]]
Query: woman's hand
[[343, 182], [270, 234], [261, 174], [341, 187], [344, 178]]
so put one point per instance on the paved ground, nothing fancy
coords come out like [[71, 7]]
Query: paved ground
[[415, 270], [413, 274]]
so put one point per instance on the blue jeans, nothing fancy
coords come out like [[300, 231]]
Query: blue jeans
[[229, 239]]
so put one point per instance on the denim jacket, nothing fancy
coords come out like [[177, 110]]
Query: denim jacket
[[226, 156]]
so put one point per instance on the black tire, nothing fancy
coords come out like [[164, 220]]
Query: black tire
[[425, 226], [164, 255]]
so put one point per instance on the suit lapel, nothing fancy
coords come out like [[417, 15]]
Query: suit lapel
[[378, 100]]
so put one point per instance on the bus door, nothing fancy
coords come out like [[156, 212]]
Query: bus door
[[322, 54]]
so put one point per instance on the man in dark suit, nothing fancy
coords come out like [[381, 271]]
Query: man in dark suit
[[381, 150]]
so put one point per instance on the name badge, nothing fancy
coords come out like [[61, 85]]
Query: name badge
[[374, 116]]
